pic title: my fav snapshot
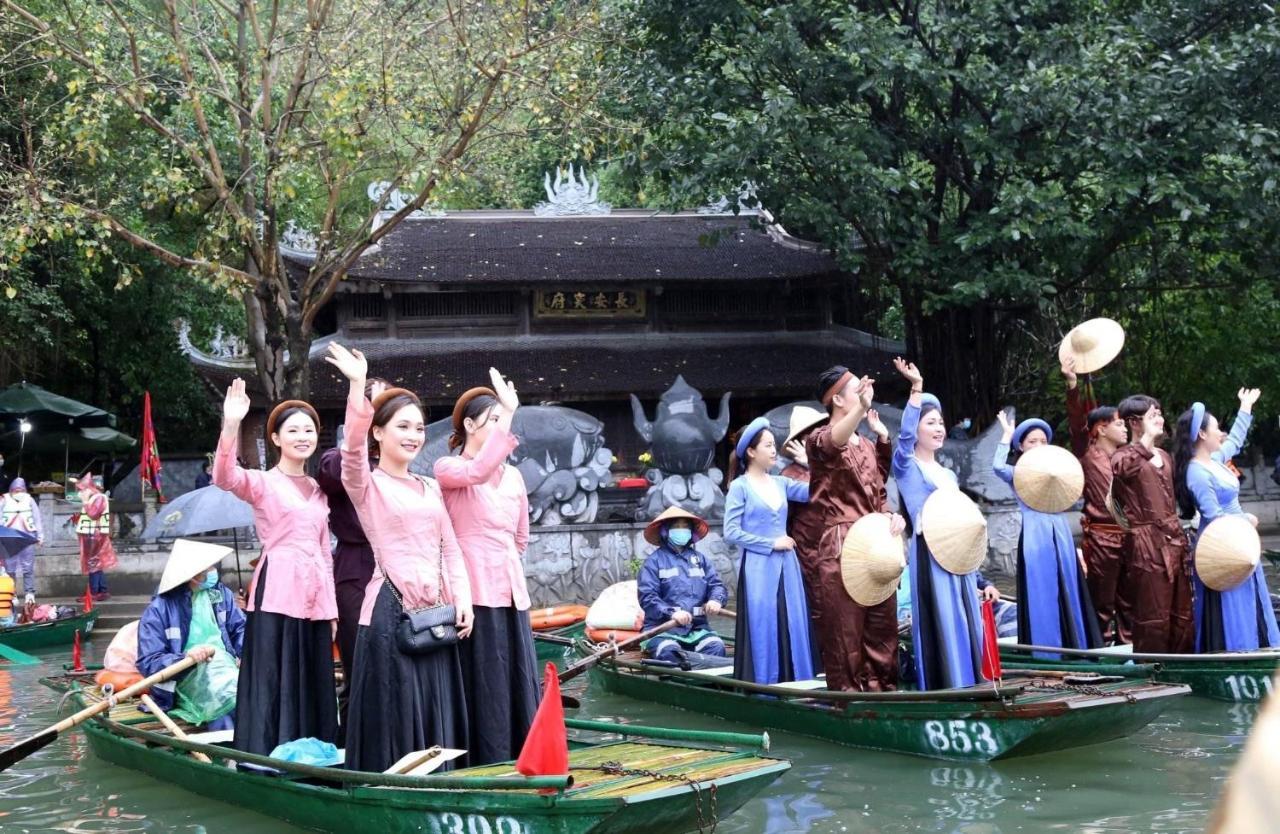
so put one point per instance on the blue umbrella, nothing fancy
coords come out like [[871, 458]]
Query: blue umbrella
[[14, 541], [201, 511]]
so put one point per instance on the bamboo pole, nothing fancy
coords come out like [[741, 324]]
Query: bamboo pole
[[171, 726]]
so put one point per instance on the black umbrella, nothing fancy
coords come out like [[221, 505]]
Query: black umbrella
[[201, 511], [46, 409], [13, 541]]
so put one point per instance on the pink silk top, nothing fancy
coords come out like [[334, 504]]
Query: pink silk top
[[489, 507], [406, 523], [292, 516]]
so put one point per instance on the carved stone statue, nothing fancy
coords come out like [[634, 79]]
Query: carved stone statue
[[561, 456], [682, 439], [571, 195]]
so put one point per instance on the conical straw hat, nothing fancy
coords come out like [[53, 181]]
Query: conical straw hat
[[802, 419], [1048, 479], [188, 558], [955, 530], [1093, 344], [872, 560], [652, 533], [1227, 552], [1250, 802]]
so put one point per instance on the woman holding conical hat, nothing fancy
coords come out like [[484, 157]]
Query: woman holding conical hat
[[489, 508], [1097, 432], [1242, 618], [1054, 608], [847, 477], [946, 623], [772, 630], [400, 701], [286, 686]]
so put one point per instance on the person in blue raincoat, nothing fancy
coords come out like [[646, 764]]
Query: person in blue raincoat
[[1241, 619], [191, 615], [1054, 606], [677, 582], [946, 622], [772, 640]]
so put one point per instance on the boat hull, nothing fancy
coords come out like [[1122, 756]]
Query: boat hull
[[50, 634], [951, 730], [556, 652]]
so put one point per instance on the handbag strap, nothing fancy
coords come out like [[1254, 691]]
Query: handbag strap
[[386, 577]]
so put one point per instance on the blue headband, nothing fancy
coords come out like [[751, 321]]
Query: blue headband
[[1197, 420], [1028, 426], [749, 434]]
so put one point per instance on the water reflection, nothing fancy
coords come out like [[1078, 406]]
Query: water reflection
[[968, 794]]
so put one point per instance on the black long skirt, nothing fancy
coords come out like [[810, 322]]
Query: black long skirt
[[500, 672], [400, 703], [286, 686]]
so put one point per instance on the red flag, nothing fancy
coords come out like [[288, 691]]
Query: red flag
[[546, 748], [149, 470], [77, 662], [990, 647], [88, 600]]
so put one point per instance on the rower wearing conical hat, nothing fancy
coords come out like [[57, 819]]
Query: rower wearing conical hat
[[1097, 432], [194, 615], [1054, 608], [947, 545], [678, 582], [1233, 609], [859, 638]]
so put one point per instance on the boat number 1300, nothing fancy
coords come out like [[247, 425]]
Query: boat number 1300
[[451, 823], [961, 737]]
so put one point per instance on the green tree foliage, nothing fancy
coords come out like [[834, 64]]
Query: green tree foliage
[[995, 171], [196, 132]]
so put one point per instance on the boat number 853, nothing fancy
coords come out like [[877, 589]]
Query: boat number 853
[[961, 737], [451, 823]]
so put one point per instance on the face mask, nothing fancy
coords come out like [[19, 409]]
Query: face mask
[[680, 536], [210, 580], [966, 423]]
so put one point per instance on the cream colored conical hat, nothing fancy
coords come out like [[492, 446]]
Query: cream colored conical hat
[[1093, 344], [653, 532], [955, 530], [1227, 552], [872, 560], [802, 419], [1048, 479], [188, 558], [1250, 802]]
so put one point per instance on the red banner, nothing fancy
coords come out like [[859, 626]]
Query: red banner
[[149, 471], [990, 646]]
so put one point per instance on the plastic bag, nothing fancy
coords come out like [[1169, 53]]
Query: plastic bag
[[308, 750], [618, 606], [122, 654], [208, 692]]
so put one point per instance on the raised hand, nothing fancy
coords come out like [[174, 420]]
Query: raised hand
[[1248, 396], [866, 391], [505, 390], [909, 371], [1007, 424], [876, 424], [795, 451], [236, 404], [1069, 371], [350, 363]]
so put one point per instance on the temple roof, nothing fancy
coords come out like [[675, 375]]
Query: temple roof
[[506, 247], [590, 367]]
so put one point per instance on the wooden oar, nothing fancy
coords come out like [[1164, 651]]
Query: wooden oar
[[612, 649], [733, 615], [171, 726], [554, 639], [10, 755], [16, 656]]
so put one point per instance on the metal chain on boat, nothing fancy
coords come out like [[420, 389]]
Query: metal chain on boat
[[1083, 689], [617, 769]]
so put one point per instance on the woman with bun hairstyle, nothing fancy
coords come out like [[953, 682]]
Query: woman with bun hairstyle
[[772, 630], [1241, 619], [286, 686], [946, 624], [489, 508], [1054, 608], [399, 702]]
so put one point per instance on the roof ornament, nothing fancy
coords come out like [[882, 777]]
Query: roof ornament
[[298, 240], [395, 200], [571, 196], [225, 350], [748, 203]]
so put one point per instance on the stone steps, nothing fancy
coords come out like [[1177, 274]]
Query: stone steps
[[113, 614]]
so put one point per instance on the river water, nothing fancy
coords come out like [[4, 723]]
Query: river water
[[1165, 778]]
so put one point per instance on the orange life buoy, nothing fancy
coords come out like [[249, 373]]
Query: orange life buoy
[[118, 680], [606, 635], [558, 616]]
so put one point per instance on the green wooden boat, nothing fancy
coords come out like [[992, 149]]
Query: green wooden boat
[[1027, 714], [1226, 676], [45, 635], [553, 645], [628, 779]]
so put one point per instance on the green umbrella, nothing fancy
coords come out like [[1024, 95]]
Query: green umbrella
[[91, 441], [47, 411]]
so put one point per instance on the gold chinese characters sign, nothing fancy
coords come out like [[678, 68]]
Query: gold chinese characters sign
[[610, 304]]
